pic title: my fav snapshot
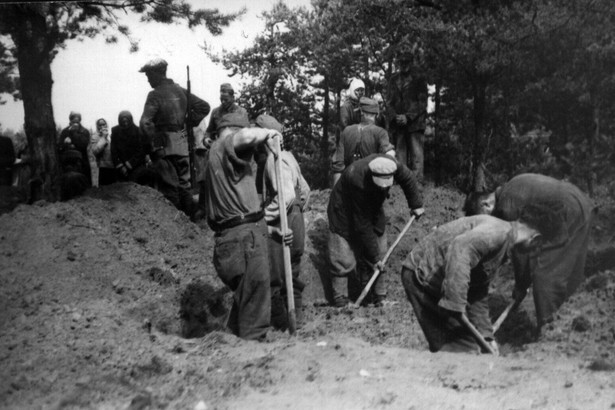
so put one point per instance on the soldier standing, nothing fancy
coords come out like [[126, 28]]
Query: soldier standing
[[163, 123], [407, 111]]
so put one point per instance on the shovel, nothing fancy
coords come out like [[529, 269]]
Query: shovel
[[384, 260], [479, 338], [288, 275]]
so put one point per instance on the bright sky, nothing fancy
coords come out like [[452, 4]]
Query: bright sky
[[100, 80]]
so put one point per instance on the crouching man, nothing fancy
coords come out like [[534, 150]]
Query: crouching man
[[357, 238], [448, 272]]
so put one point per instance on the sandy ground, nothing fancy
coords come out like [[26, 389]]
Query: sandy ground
[[111, 301]]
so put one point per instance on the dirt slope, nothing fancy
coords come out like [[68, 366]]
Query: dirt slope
[[110, 301]]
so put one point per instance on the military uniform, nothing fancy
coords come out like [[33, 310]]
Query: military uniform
[[163, 124], [360, 140], [408, 97]]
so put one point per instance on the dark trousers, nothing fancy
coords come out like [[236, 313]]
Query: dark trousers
[[241, 261], [107, 176], [174, 181], [444, 333], [279, 302], [555, 273]]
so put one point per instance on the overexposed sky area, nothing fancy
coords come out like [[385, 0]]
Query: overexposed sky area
[[99, 80]]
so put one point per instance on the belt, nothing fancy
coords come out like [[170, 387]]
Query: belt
[[169, 128], [236, 221]]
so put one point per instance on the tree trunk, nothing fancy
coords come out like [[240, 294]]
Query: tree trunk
[[439, 175], [324, 142], [593, 137], [479, 182], [31, 38]]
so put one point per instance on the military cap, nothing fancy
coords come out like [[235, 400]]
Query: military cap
[[383, 168], [233, 119], [226, 88], [267, 121], [369, 105], [157, 64]]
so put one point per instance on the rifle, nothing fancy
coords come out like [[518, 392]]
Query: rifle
[[190, 132]]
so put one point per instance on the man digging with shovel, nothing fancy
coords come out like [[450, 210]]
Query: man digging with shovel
[[357, 237], [447, 274]]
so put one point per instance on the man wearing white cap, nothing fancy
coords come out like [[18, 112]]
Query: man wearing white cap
[[163, 123], [360, 140], [357, 237]]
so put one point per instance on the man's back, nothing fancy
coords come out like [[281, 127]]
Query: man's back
[[359, 141]]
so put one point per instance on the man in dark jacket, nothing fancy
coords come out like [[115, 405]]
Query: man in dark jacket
[[360, 140], [78, 137], [558, 267], [448, 272], [357, 237], [127, 147], [163, 123], [407, 112], [7, 159]]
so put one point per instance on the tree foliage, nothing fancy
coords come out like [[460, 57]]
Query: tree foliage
[[522, 85]]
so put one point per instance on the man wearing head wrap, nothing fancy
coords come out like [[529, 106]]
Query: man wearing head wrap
[[447, 274], [350, 111], [128, 148], [163, 123], [557, 268], [296, 193], [77, 137], [407, 113], [357, 237], [360, 140], [101, 148], [235, 214]]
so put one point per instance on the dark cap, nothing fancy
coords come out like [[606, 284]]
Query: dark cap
[[233, 119], [226, 88], [369, 105], [267, 121], [157, 64]]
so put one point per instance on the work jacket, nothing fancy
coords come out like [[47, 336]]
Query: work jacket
[[458, 258], [216, 114], [355, 209], [358, 141]]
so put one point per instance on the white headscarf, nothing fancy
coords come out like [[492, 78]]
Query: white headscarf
[[354, 84]]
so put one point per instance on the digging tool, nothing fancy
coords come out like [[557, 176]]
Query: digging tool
[[479, 338], [384, 260], [288, 274], [511, 306]]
